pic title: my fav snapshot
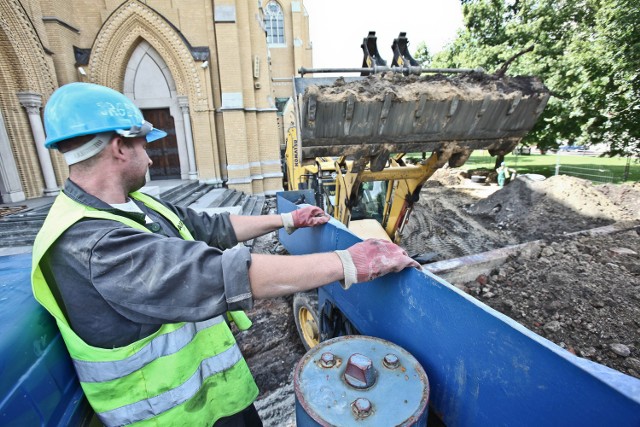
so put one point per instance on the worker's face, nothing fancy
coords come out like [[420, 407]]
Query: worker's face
[[139, 163]]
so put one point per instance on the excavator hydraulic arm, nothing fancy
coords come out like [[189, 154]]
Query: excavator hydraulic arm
[[404, 184]]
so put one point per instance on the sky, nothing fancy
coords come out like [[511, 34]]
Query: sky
[[337, 27]]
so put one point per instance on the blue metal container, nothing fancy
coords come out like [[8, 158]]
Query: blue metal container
[[38, 385], [484, 368], [360, 380]]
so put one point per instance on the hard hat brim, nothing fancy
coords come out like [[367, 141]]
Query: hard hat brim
[[155, 134]]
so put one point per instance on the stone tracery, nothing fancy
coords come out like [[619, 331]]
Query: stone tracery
[[121, 33]]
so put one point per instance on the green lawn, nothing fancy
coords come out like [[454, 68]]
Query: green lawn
[[600, 169]]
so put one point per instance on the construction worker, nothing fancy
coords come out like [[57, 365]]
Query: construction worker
[[142, 290], [505, 174]]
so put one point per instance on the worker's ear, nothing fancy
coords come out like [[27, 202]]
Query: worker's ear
[[117, 147]]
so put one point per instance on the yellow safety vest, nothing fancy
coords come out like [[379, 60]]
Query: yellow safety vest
[[189, 374]]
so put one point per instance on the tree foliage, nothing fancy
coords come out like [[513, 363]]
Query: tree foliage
[[422, 54], [586, 51]]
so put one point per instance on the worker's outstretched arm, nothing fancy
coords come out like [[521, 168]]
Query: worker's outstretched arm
[[277, 275], [248, 227]]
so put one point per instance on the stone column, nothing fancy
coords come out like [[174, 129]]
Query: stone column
[[10, 186], [32, 103], [183, 102]]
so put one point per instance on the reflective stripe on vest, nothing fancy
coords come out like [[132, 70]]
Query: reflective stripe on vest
[[148, 408], [163, 345]]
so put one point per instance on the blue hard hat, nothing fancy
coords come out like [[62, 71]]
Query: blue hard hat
[[78, 109]]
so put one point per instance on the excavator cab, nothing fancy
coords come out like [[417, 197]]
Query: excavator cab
[[371, 201]]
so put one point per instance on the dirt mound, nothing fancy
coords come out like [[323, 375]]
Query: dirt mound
[[579, 291], [470, 86], [560, 204], [626, 197], [439, 226], [271, 346], [582, 293], [272, 349], [445, 176]]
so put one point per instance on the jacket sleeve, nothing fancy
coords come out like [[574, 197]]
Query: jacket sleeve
[[215, 230], [150, 278]]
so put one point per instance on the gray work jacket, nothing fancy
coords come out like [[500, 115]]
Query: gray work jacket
[[117, 284]]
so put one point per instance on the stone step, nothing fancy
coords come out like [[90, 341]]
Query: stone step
[[176, 193], [207, 199], [253, 205], [228, 198], [190, 194]]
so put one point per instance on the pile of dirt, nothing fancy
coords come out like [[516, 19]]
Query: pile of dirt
[[271, 346], [440, 228], [439, 87], [272, 349], [558, 205], [580, 291], [583, 293], [453, 220], [445, 177]]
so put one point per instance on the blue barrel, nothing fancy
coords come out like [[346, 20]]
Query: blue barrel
[[360, 380]]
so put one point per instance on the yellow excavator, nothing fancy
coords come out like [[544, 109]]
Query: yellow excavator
[[347, 138]]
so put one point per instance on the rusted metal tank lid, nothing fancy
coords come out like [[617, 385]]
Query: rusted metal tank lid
[[363, 380]]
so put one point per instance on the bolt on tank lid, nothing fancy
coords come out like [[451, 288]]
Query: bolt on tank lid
[[363, 380]]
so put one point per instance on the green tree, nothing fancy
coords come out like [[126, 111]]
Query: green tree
[[422, 55], [586, 51]]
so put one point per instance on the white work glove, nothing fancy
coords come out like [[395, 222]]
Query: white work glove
[[371, 259], [308, 216]]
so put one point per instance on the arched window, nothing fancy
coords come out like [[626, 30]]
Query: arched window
[[274, 23]]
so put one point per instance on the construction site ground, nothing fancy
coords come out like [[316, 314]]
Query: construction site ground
[[578, 289]]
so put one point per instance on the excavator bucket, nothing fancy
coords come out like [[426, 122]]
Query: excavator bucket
[[371, 55], [401, 55], [374, 116]]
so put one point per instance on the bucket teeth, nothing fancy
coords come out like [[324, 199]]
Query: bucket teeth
[[372, 57]]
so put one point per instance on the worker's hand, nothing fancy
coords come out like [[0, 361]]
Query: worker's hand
[[308, 216], [371, 259]]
